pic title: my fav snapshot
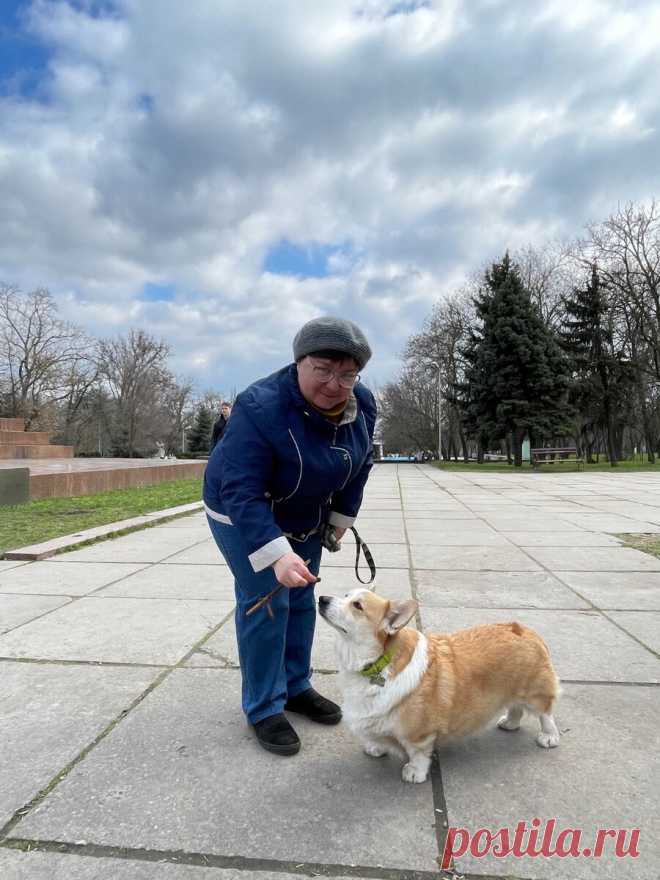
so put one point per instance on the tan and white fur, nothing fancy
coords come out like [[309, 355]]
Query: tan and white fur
[[436, 687]]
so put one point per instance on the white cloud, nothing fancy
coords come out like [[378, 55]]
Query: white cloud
[[177, 144]]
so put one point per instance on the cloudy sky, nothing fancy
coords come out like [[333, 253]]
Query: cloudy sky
[[217, 172]]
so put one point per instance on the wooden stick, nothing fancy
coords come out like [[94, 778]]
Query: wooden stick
[[265, 600]]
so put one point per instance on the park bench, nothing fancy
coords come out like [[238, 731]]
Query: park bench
[[556, 455]]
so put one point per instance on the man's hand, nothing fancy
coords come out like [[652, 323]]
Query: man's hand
[[291, 571], [339, 532]]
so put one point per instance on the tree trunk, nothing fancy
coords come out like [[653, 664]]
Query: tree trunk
[[589, 448], [517, 437], [647, 427], [464, 446]]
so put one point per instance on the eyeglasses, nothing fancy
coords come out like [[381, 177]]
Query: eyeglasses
[[325, 374]]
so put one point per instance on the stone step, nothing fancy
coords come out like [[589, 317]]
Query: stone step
[[24, 438], [12, 450], [12, 424]]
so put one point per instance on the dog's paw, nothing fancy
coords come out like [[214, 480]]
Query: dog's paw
[[547, 740], [374, 751], [410, 773], [506, 723]]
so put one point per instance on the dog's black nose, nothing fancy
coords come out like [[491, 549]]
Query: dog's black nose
[[323, 601]]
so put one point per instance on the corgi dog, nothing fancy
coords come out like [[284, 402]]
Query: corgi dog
[[403, 691]]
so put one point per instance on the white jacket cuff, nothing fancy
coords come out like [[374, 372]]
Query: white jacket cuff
[[269, 553], [338, 519]]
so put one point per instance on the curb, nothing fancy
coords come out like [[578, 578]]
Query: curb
[[35, 552]]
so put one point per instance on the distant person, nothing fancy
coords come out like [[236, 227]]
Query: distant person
[[295, 457], [220, 424]]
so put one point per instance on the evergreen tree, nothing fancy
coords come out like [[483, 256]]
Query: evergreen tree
[[516, 376], [199, 437], [600, 378], [471, 395]]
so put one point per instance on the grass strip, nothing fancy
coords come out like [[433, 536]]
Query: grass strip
[[38, 521], [647, 543]]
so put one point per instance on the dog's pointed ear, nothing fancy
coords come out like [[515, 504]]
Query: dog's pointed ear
[[398, 615]]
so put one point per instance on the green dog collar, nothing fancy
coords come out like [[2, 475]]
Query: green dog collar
[[373, 670]]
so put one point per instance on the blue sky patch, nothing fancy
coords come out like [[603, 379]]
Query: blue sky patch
[[406, 7], [23, 58], [146, 103], [307, 260], [158, 292]]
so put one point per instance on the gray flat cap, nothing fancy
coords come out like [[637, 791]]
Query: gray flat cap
[[332, 334]]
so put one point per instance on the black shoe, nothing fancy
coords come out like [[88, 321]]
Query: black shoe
[[275, 734], [315, 707]]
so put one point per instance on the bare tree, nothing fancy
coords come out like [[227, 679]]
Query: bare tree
[[546, 272], [39, 353], [439, 346], [626, 249], [134, 371], [407, 411], [177, 413]]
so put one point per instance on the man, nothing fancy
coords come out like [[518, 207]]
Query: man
[[220, 424]]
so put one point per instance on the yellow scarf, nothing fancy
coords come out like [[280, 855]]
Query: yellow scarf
[[335, 415]]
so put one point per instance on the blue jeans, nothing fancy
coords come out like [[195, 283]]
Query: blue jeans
[[274, 654]]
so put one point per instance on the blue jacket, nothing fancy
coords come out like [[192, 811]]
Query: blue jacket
[[281, 469]]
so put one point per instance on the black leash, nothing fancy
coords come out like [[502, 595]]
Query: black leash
[[330, 542], [361, 546]]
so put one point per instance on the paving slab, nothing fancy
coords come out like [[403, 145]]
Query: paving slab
[[392, 515], [599, 777], [130, 548], [616, 524], [16, 610], [594, 559], [64, 578], [645, 625], [62, 543], [460, 514], [385, 556], [584, 645], [393, 583], [471, 536], [371, 505], [561, 539], [530, 523], [194, 534], [49, 714], [472, 558], [175, 582], [204, 553], [494, 589], [372, 531], [7, 564], [15, 865], [371, 527], [617, 589], [154, 631], [221, 649], [182, 771], [197, 520]]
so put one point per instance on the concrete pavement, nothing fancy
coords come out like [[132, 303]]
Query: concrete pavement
[[125, 755]]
